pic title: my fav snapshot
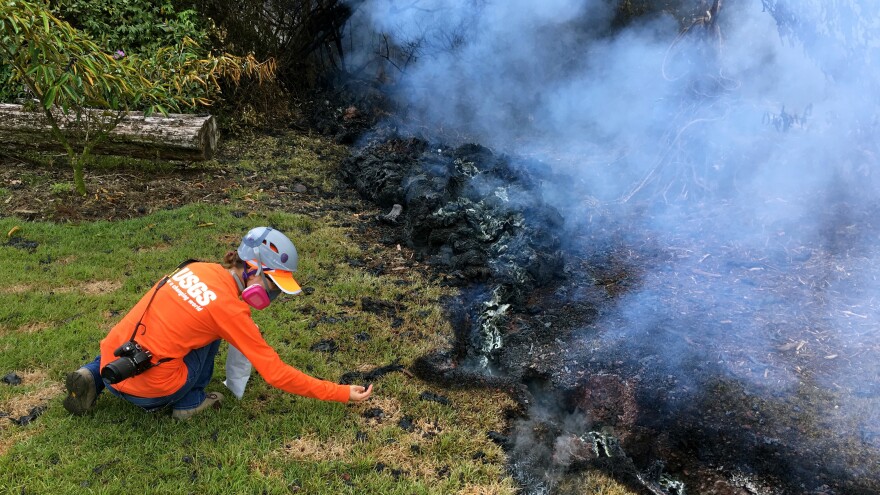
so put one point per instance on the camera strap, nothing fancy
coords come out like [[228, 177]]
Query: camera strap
[[162, 282]]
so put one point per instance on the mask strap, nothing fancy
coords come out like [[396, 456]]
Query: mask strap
[[264, 281], [259, 271], [238, 281]]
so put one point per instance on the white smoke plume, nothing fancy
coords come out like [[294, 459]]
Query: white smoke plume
[[747, 140]]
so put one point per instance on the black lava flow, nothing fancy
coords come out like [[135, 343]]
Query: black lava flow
[[481, 220]]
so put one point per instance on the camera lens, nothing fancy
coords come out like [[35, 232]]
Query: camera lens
[[118, 370]]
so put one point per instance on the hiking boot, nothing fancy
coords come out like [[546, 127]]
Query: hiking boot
[[81, 392], [213, 399]]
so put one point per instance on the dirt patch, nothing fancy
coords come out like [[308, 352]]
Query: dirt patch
[[154, 248], [101, 287], [380, 411], [229, 240], [43, 390], [125, 188], [404, 458], [42, 192], [9, 438], [96, 287], [398, 458], [16, 289], [265, 469], [311, 448], [30, 328], [495, 489]]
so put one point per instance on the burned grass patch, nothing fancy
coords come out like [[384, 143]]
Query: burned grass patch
[[93, 287], [28, 328], [27, 397], [311, 448], [370, 375], [380, 411]]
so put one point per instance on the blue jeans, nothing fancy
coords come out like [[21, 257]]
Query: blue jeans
[[200, 366]]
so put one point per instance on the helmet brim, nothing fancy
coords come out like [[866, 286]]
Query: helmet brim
[[282, 278]]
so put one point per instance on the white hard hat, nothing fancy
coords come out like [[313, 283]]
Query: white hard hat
[[271, 252]]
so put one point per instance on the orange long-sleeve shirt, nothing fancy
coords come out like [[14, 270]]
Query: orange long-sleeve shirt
[[198, 305]]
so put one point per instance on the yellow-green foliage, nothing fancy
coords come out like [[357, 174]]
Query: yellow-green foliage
[[68, 73]]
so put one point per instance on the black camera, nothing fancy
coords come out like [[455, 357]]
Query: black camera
[[132, 360]]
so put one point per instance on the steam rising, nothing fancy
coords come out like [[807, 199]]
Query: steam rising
[[756, 134]]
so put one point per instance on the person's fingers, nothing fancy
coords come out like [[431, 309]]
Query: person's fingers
[[357, 393]]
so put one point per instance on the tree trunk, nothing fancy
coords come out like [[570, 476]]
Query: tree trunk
[[79, 178], [175, 137]]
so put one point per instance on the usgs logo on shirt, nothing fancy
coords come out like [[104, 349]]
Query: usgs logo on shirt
[[194, 288]]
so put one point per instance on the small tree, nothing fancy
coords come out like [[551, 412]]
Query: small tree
[[70, 76]]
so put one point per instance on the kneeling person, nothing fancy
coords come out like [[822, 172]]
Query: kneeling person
[[162, 352]]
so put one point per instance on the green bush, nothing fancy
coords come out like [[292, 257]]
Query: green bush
[[134, 26], [8, 91], [304, 36], [70, 77], [130, 26]]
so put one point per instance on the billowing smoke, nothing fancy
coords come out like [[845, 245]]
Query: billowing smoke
[[741, 139], [556, 78]]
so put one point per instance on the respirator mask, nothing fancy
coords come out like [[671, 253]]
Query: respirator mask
[[257, 296]]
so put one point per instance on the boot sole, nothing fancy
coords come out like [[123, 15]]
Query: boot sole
[[80, 394], [208, 403]]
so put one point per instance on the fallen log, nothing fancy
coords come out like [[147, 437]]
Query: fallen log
[[173, 137]]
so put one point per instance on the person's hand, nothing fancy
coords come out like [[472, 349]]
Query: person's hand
[[357, 393]]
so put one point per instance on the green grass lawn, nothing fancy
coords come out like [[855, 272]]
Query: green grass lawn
[[58, 298], [66, 284]]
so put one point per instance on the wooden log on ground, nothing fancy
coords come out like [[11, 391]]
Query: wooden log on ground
[[174, 137]]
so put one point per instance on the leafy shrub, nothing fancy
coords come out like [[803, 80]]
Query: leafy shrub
[[304, 36], [130, 26], [60, 188], [7, 89], [69, 75], [134, 26]]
